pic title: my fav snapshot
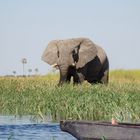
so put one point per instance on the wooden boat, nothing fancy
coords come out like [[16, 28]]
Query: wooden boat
[[87, 130]]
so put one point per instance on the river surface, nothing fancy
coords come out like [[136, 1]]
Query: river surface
[[26, 128]]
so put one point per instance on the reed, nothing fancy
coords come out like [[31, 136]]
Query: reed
[[39, 96]]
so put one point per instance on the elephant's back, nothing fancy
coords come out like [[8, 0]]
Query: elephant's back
[[101, 54], [97, 66]]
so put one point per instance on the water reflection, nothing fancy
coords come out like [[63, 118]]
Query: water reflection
[[25, 128]]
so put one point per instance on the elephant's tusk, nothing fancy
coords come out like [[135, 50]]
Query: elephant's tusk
[[54, 65], [73, 64]]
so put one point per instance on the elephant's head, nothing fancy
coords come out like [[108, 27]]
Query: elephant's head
[[71, 52]]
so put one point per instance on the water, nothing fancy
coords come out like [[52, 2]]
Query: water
[[24, 128]]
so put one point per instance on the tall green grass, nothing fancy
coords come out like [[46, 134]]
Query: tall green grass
[[41, 97]]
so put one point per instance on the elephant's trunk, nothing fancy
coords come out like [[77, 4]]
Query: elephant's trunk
[[63, 75]]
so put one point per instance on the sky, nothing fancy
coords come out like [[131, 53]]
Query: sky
[[27, 26]]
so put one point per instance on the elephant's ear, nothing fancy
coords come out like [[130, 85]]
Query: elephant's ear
[[87, 52], [50, 54]]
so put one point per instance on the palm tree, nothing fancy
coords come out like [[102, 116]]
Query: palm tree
[[14, 72], [36, 71], [29, 70], [24, 61]]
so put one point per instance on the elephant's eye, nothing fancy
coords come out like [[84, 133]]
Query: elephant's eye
[[58, 53]]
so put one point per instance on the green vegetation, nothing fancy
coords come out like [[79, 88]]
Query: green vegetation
[[40, 96]]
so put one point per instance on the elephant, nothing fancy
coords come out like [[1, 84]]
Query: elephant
[[79, 58]]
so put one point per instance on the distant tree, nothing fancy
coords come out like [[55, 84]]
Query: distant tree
[[36, 71], [29, 70], [14, 72], [24, 61]]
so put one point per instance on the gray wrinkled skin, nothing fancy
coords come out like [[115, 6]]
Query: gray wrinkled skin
[[79, 58]]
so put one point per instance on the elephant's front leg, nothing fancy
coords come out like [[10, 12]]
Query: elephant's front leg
[[78, 78], [68, 78], [63, 77]]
